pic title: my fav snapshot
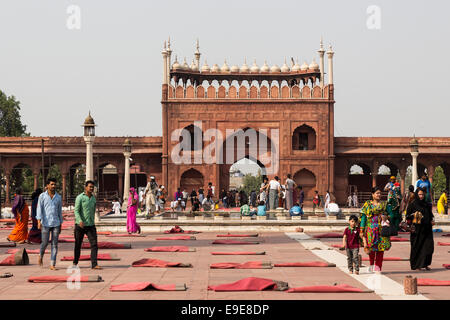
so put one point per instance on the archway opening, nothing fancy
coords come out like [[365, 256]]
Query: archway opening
[[304, 138], [307, 180]]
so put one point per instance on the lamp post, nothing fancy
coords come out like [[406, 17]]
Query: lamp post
[[89, 137], [414, 144], [126, 184]]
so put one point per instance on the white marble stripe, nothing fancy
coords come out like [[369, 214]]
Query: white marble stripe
[[383, 286]]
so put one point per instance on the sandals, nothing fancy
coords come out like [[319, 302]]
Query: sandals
[[6, 275]]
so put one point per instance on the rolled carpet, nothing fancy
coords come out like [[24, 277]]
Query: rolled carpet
[[170, 249], [155, 263], [245, 265], [100, 256], [125, 235], [443, 243], [7, 244], [177, 229], [19, 258], [236, 253], [328, 235], [103, 233], [8, 220], [432, 282], [234, 242], [145, 286], [398, 239], [388, 259], [251, 284], [238, 235], [446, 266], [64, 240], [305, 264], [51, 279], [29, 251], [342, 288], [446, 235], [107, 245], [177, 238]]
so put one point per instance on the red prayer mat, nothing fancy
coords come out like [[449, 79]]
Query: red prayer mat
[[245, 265], [107, 245], [305, 264], [159, 264], [235, 253], [446, 266], [432, 282], [7, 244], [29, 251], [251, 284], [103, 233], [100, 256], [342, 288], [388, 259], [49, 279], [170, 249], [125, 235], [145, 286], [234, 242], [443, 243], [238, 235], [328, 235], [7, 220], [18, 258], [177, 238], [398, 239]]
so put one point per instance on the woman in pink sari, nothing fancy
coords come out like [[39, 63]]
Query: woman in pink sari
[[133, 201]]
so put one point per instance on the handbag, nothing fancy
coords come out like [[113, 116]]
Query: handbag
[[417, 217], [388, 231]]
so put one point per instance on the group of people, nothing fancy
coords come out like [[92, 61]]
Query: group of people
[[47, 219], [380, 219]]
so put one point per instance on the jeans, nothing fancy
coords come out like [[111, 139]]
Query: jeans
[[353, 259], [91, 233], [45, 235]]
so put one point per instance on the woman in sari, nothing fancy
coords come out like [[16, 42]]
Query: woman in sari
[[34, 234], [422, 244], [374, 213], [21, 212], [133, 201]]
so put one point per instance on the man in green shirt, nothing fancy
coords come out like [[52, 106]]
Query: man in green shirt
[[85, 224]]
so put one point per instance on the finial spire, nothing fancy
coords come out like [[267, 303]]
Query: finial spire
[[168, 43]]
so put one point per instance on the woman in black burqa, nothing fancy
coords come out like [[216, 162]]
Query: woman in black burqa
[[422, 244]]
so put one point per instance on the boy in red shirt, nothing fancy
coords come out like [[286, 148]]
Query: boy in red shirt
[[351, 243]]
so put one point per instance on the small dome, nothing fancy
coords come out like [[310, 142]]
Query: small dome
[[304, 66], [275, 69], [265, 67], [194, 66], [205, 67], [285, 67], [314, 66], [176, 65], [185, 65], [215, 68], [244, 68], [296, 67], [225, 67], [89, 119], [235, 68], [254, 68]]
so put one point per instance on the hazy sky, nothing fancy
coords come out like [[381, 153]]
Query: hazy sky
[[388, 82]]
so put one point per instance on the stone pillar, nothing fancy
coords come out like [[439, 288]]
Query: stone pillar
[[374, 179], [321, 64], [36, 180], [120, 175], [330, 54], [414, 168], [126, 185], [430, 173], [64, 187], [402, 172], [8, 188], [89, 157]]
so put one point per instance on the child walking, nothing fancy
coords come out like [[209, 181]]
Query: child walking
[[351, 243]]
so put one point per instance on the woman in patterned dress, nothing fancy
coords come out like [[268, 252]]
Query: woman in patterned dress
[[373, 213]]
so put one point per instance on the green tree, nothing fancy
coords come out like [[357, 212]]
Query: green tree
[[439, 182], [10, 123], [251, 182]]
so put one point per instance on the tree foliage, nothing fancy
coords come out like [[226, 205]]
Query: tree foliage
[[251, 182], [439, 182], [10, 122]]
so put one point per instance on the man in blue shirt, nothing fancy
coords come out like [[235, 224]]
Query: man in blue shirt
[[424, 183], [296, 210], [49, 217]]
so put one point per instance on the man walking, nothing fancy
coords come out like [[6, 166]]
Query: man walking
[[84, 223], [274, 190], [49, 217]]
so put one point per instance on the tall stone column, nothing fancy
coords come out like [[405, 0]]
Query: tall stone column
[[89, 157], [120, 176], [321, 64], [374, 179], [402, 172], [64, 187], [330, 54], [126, 185], [8, 188], [36, 180], [414, 168]]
